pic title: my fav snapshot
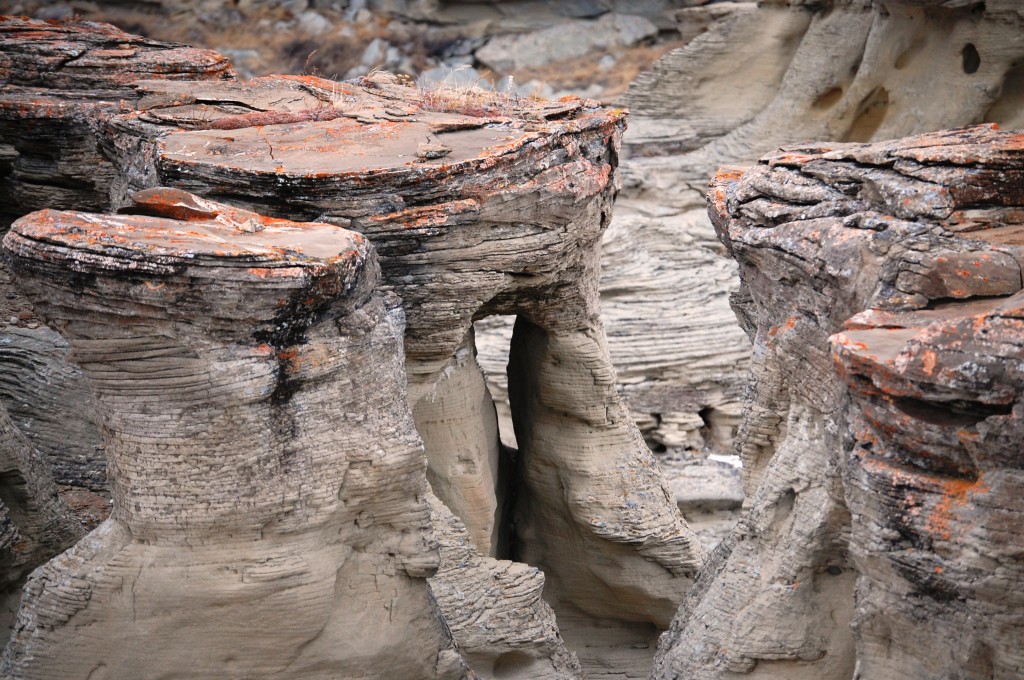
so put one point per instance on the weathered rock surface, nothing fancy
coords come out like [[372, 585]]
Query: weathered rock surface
[[879, 494], [935, 484], [506, 219], [494, 609], [760, 76], [47, 398], [59, 79], [263, 460], [34, 522]]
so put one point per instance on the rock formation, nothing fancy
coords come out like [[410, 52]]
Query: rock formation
[[478, 204], [59, 80], [504, 218], [755, 77], [880, 487], [47, 398], [265, 471], [34, 522], [494, 609]]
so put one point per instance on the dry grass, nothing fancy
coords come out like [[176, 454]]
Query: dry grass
[[474, 98]]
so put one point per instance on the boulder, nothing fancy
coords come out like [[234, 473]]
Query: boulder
[[569, 40]]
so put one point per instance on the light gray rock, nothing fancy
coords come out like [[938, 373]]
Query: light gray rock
[[314, 23], [509, 53]]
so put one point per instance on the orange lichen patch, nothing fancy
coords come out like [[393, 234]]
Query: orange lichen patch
[[263, 350], [954, 493], [717, 190], [288, 354], [580, 178], [275, 272], [842, 340], [928, 360], [422, 217], [873, 346], [951, 495]]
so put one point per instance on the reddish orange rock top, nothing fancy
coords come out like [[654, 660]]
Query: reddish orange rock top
[[176, 227], [91, 57], [373, 131], [181, 257]]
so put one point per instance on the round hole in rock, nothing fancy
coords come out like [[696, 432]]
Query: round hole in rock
[[971, 58], [828, 99]]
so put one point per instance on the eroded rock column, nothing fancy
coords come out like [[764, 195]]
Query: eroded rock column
[[270, 516], [866, 485], [479, 204]]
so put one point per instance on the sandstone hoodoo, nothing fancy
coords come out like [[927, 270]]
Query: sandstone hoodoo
[[507, 221], [896, 467], [263, 461], [477, 203]]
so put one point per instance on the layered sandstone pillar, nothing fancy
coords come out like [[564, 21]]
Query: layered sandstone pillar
[[58, 80], [877, 540], [270, 517]]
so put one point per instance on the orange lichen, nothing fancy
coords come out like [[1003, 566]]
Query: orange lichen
[[928, 360], [954, 494]]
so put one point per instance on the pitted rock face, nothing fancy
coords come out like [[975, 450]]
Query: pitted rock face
[[262, 456], [874, 474]]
